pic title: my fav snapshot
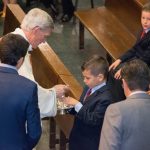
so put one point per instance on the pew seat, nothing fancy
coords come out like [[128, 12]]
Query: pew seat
[[114, 25]]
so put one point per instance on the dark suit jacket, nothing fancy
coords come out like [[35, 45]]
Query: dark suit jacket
[[20, 126], [140, 50], [87, 126]]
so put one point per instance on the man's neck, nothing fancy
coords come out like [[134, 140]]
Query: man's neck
[[136, 92], [8, 66]]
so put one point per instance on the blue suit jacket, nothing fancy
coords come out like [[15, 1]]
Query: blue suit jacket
[[20, 126], [88, 122]]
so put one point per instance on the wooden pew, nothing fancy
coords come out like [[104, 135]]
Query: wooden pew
[[141, 2], [48, 71], [114, 25]]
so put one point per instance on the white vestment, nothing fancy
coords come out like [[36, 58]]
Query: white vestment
[[46, 97]]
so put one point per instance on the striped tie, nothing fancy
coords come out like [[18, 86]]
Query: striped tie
[[143, 34], [88, 93]]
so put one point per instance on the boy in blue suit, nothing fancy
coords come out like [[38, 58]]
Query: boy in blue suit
[[89, 111], [20, 127]]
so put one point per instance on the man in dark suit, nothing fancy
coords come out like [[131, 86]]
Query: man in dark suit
[[20, 127], [89, 112], [126, 124]]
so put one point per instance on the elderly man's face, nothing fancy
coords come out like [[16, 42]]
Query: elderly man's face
[[39, 36]]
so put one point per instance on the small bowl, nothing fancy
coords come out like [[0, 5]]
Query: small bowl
[[63, 111], [62, 108]]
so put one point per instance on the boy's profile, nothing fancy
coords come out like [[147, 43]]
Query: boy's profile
[[89, 111]]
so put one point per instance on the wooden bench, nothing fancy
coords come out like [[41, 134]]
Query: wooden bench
[[114, 25], [141, 2], [48, 71]]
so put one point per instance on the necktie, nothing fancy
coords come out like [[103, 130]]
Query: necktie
[[88, 93], [143, 34]]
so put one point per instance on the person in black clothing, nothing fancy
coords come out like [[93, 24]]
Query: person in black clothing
[[49, 4], [1, 7], [89, 111], [68, 10]]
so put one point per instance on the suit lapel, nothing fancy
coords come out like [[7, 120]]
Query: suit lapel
[[145, 38], [97, 92]]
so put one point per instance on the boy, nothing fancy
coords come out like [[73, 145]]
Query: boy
[[141, 49], [89, 112]]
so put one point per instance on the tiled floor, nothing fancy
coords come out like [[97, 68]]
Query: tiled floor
[[64, 41]]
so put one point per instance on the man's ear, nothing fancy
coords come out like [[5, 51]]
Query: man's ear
[[123, 83], [35, 29], [20, 62], [127, 91]]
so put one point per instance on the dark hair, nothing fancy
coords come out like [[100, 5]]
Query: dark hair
[[12, 48], [136, 74], [146, 7], [97, 65]]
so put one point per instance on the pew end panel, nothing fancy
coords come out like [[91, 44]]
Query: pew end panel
[[43, 74], [140, 3], [13, 11]]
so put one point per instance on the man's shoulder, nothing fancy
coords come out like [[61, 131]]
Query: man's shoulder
[[105, 90], [27, 81], [130, 103]]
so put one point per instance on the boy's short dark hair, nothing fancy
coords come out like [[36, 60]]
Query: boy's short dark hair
[[146, 7], [136, 73], [97, 65], [12, 48]]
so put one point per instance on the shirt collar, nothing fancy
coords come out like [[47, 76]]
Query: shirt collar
[[97, 87], [147, 30], [20, 32], [8, 66], [137, 92]]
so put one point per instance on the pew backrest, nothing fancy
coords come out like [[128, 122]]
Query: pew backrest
[[114, 25]]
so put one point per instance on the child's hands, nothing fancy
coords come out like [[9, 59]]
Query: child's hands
[[118, 74], [70, 101], [115, 64]]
